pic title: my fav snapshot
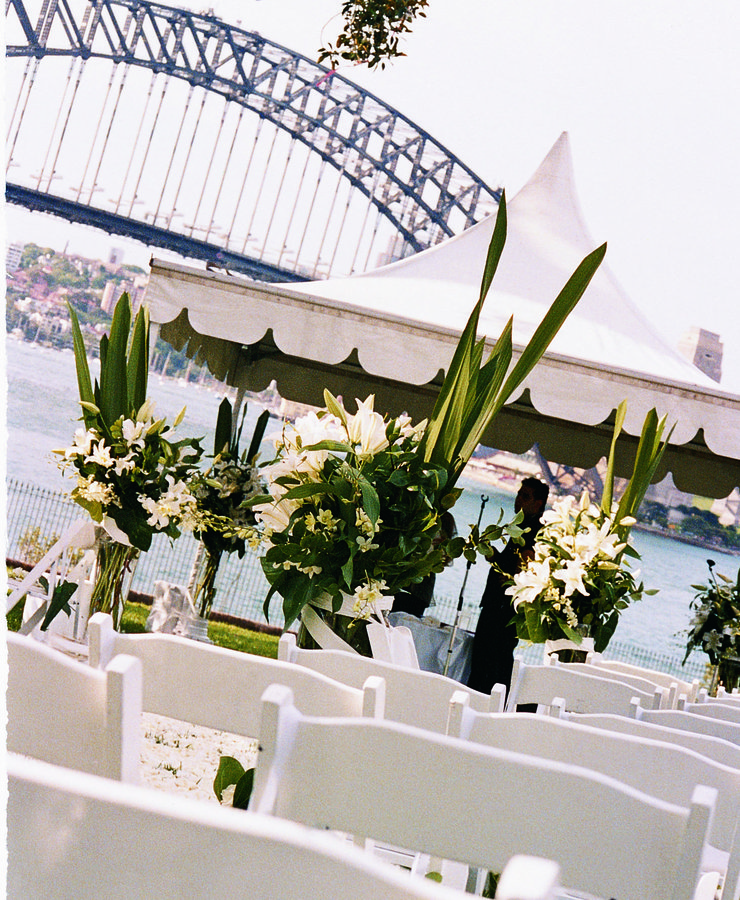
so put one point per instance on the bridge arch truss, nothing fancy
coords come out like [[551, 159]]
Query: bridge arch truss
[[183, 131]]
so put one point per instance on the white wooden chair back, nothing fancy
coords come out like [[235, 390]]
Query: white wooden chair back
[[67, 832], [412, 697], [61, 711], [393, 644], [714, 748], [723, 696], [659, 769], [220, 688], [689, 721], [459, 800], [714, 708], [582, 693], [669, 697], [688, 689]]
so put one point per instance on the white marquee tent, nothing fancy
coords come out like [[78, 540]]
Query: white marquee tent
[[392, 332]]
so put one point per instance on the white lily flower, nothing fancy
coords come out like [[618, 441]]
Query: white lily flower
[[571, 575], [132, 432], [367, 429], [100, 455], [275, 516], [530, 582]]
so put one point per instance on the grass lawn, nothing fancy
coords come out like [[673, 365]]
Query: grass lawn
[[223, 635]]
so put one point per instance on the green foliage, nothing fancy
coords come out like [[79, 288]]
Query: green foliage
[[715, 626], [353, 509], [231, 772], [59, 600], [371, 32]]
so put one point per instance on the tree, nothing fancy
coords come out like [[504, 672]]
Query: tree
[[372, 29]]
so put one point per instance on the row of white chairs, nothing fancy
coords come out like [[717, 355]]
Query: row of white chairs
[[201, 666]]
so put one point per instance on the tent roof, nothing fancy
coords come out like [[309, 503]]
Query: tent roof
[[393, 330]]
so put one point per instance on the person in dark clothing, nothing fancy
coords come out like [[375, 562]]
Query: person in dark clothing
[[417, 597], [495, 637]]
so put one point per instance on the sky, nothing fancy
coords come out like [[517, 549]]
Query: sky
[[648, 91]]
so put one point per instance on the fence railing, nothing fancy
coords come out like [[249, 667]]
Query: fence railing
[[36, 516]]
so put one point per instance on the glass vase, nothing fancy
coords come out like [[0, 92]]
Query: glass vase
[[203, 579], [728, 673], [113, 572]]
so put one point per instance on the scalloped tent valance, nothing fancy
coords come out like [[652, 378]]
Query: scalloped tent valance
[[392, 332]]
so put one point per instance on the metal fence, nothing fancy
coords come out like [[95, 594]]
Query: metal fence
[[37, 516]]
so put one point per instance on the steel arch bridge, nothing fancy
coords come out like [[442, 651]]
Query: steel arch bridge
[[187, 133]]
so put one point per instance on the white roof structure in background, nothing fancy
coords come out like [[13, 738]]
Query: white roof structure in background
[[393, 330]]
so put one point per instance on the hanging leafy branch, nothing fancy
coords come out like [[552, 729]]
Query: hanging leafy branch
[[372, 29]]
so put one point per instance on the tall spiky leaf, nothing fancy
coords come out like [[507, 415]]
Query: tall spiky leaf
[[113, 380], [451, 400], [137, 367], [258, 434], [84, 382], [222, 440], [608, 492], [561, 308]]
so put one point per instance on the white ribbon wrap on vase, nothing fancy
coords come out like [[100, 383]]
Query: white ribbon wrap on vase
[[586, 645], [322, 633]]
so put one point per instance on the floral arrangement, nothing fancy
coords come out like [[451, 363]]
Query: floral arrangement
[[356, 499], [351, 509], [131, 477], [578, 580], [579, 575], [225, 523], [715, 627]]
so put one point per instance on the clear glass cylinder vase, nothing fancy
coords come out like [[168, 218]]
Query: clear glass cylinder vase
[[113, 572]]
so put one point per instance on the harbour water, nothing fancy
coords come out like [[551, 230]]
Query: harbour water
[[42, 414]]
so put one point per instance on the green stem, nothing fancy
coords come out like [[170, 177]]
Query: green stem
[[205, 590], [114, 563]]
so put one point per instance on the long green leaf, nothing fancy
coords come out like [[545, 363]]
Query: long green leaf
[[495, 248], [113, 380], [84, 383], [259, 433], [222, 439], [451, 399], [561, 308], [608, 493], [137, 366]]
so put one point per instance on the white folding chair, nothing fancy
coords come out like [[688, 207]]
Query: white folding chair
[[458, 800], [715, 708], [219, 688], [659, 769], [644, 685], [689, 721], [77, 835], [412, 697], [677, 686], [714, 748], [63, 712], [531, 684]]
